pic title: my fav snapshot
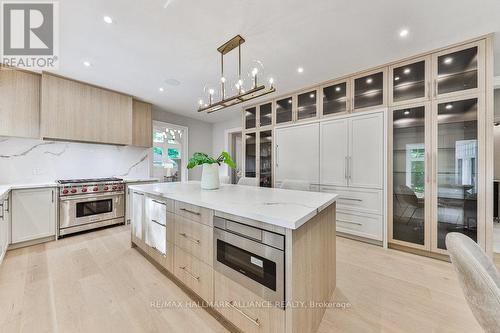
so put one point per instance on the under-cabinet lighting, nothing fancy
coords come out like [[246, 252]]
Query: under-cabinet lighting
[[369, 80], [448, 60], [407, 71]]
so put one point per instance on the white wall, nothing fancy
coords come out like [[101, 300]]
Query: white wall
[[31, 161], [219, 138], [200, 134]]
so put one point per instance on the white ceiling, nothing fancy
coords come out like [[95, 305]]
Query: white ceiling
[[149, 42]]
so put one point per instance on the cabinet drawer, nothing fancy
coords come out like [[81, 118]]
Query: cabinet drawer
[[194, 273], [241, 307], [156, 210], [362, 225], [195, 238], [156, 237], [359, 200], [195, 213], [165, 261]]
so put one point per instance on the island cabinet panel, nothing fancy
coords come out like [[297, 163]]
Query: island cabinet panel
[[142, 132], [76, 111], [194, 238], [247, 311], [195, 274], [19, 103], [195, 213]]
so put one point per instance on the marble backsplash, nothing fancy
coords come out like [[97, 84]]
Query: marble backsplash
[[35, 161]]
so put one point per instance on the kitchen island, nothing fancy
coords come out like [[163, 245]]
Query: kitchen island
[[262, 258]]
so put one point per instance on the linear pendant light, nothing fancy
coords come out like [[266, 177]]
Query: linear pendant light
[[241, 96]]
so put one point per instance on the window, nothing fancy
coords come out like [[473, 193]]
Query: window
[[415, 167], [169, 152]]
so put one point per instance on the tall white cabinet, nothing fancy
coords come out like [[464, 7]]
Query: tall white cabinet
[[352, 159], [4, 224]]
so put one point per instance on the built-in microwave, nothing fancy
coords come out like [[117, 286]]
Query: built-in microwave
[[252, 257]]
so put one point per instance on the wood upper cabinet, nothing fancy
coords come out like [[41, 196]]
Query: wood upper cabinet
[[19, 103], [72, 110], [142, 132]]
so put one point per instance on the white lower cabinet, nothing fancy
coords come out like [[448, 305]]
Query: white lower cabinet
[[137, 214], [33, 214], [4, 225], [156, 225], [368, 226]]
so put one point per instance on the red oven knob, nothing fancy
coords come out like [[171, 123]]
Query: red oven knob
[[95, 189], [120, 187], [114, 187], [65, 191], [106, 188], [84, 189], [73, 190]]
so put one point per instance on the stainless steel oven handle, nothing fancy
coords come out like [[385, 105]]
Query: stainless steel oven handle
[[197, 278], [190, 211], [254, 321], [91, 197], [192, 239]]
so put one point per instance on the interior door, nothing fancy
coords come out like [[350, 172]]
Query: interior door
[[297, 151], [366, 151], [334, 154]]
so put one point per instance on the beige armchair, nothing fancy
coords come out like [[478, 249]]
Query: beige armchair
[[479, 279]]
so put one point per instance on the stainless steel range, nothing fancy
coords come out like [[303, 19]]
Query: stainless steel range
[[90, 203]]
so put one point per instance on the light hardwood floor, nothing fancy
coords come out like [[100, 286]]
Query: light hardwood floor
[[96, 283]]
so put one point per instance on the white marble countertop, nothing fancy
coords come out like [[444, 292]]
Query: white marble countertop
[[285, 208], [139, 180], [5, 188]]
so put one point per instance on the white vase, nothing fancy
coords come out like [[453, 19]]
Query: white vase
[[210, 177]]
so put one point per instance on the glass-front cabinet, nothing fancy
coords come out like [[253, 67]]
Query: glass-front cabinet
[[284, 110], [411, 186], [250, 118], [265, 158], [369, 90], [459, 70], [266, 114], [251, 155], [410, 81], [335, 98], [307, 105], [457, 170]]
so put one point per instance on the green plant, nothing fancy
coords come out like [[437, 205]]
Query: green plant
[[202, 158]]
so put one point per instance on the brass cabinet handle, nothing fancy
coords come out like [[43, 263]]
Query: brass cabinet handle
[[350, 222], [192, 239], [190, 211], [197, 278], [254, 321]]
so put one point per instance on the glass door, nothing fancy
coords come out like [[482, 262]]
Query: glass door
[[335, 98], [250, 118], [410, 176], [368, 90], [456, 170], [307, 105], [265, 158], [266, 114], [459, 70], [169, 152], [250, 154], [284, 110], [410, 81]]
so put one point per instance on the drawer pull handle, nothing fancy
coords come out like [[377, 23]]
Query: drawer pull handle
[[254, 321], [197, 278], [350, 199], [159, 202], [163, 225], [190, 211], [192, 239], [138, 193], [350, 222]]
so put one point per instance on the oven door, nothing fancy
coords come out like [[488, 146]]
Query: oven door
[[84, 209], [256, 266]]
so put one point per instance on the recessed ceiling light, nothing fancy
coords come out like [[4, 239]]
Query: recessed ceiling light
[[108, 19], [404, 33], [449, 106], [407, 113], [87, 63], [300, 70], [448, 60], [337, 89], [369, 80], [407, 71], [396, 78], [161, 89], [311, 95]]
